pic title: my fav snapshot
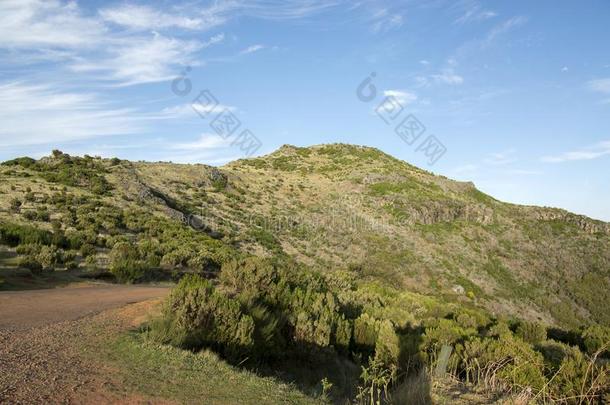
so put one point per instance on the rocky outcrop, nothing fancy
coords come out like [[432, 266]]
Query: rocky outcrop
[[438, 213], [583, 223]]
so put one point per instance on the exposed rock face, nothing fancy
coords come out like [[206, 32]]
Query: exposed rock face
[[583, 223], [437, 213], [147, 195]]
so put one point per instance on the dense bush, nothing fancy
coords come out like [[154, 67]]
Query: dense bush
[[531, 332], [15, 234], [272, 309], [200, 316], [126, 264], [30, 262], [15, 204], [505, 362], [596, 338], [288, 314], [38, 257]]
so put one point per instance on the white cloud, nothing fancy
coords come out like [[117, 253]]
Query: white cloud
[[51, 23], [209, 148], [503, 28], [281, 9], [34, 30], [216, 39], [424, 62], [205, 142], [43, 114], [141, 60], [501, 158], [404, 97], [252, 49], [600, 85], [446, 76], [464, 171], [115, 43], [383, 21], [186, 110], [146, 18], [564, 69], [474, 14], [523, 172], [590, 153]]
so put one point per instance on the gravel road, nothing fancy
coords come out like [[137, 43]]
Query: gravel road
[[21, 310], [45, 335]]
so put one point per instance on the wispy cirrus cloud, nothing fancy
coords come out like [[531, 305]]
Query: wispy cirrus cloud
[[282, 9], [384, 20], [252, 49], [205, 142], [474, 12], [600, 86], [592, 152], [139, 17], [47, 24], [208, 148], [445, 76], [85, 43], [129, 43], [188, 110], [123, 44], [501, 158], [503, 28], [46, 114], [404, 97], [141, 60]]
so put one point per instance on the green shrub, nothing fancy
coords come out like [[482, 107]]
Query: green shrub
[[30, 262], [125, 263], [29, 215], [387, 347], [531, 332], [38, 257], [596, 338], [87, 250], [507, 360], [14, 234], [366, 329], [42, 215], [578, 376], [15, 204], [48, 257], [71, 265], [196, 315]]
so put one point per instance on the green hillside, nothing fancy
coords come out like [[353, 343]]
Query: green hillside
[[336, 249]]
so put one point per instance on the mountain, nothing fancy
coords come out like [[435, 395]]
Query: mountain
[[337, 208]]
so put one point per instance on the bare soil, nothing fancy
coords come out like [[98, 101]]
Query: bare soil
[[45, 337]]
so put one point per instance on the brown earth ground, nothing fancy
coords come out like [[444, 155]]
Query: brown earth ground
[[45, 336]]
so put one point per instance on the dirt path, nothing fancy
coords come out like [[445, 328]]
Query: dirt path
[[21, 310], [45, 336]]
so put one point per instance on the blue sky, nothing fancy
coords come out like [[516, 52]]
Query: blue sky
[[518, 92]]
